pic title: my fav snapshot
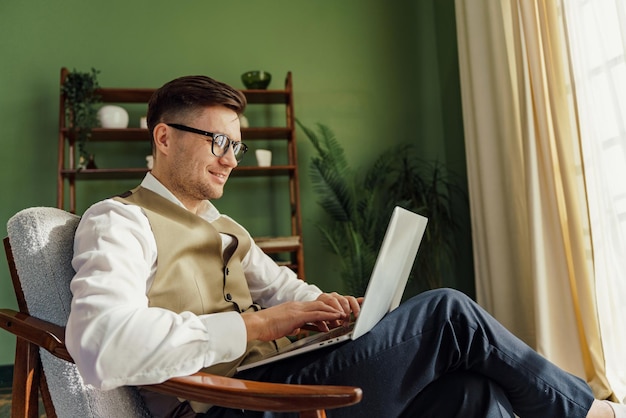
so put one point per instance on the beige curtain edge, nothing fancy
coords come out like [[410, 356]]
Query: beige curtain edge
[[516, 188]]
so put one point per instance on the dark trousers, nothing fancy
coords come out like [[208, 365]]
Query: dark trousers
[[438, 355]]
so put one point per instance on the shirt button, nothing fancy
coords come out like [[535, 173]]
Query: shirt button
[[226, 271]]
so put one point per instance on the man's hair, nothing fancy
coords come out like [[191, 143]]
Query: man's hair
[[183, 97]]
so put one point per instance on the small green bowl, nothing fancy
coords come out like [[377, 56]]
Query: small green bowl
[[256, 80]]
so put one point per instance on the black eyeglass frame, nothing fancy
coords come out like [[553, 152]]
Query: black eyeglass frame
[[243, 147]]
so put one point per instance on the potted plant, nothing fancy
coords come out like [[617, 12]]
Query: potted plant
[[359, 206], [79, 94]]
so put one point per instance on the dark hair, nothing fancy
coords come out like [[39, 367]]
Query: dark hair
[[182, 97]]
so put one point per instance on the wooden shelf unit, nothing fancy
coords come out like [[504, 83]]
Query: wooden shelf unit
[[68, 173]]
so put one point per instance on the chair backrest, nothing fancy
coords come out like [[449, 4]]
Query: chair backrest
[[42, 242]]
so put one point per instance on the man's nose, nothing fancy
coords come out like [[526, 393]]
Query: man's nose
[[228, 158]]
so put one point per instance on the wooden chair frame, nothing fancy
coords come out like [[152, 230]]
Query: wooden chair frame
[[29, 380]]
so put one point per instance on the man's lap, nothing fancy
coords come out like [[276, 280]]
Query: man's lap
[[429, 336]]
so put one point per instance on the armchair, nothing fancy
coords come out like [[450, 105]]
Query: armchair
[[39, 250]]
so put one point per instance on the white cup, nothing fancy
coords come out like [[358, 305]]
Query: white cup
[[143, 122], [263, 157]]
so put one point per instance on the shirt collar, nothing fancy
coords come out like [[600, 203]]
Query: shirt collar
[[206, 210]]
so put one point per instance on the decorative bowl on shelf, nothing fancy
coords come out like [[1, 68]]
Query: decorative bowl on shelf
[[256, 80]]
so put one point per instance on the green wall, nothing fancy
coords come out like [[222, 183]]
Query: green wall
[[371, 70]]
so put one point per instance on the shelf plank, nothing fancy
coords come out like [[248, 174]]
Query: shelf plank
[[113, 135], [105, 174], [124, 95], [278, 244], [143, 95], [142, 135], [265, 133], [132, 173], [283, 249], [128, 134], [266, 96], [256, 171]]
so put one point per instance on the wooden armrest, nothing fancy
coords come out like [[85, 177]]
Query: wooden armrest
[[200, 387], [259, 396], [37, 331]]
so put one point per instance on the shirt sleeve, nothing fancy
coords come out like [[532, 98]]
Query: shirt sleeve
[[114, 337], [271, 284]]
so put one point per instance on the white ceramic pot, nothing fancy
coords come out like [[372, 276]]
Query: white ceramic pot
[[111, 116]]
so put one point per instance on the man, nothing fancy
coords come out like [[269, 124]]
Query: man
[[165, 286]]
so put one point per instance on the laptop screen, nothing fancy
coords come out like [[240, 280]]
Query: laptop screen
[[392, 268]]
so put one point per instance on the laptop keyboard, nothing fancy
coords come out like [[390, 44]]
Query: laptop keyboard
[[321, 336]]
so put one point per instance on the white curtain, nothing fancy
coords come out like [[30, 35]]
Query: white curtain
[[537, 247], [597, 39]]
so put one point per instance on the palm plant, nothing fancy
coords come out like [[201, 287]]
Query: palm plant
[[359, 207]]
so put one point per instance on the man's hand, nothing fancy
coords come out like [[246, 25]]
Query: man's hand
[[329, 310], [348, 304], [287, 318]]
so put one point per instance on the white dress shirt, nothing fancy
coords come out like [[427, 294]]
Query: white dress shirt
[[115, 338]]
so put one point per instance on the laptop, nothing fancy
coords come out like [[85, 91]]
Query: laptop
[[384, 290]]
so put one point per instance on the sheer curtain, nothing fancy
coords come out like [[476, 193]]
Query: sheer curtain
[[597, 39], [534, 230]]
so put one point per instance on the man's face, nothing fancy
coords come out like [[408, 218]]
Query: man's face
[[193, 172]]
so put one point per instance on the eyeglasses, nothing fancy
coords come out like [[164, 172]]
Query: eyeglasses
[[219, 142]]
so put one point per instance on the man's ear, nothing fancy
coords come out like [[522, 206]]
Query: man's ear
[[161, 137]]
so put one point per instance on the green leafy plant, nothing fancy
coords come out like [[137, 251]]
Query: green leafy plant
[[79, 93], [359, 206]]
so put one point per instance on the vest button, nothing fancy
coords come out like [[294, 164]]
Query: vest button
[[228, 297], [226, 271]]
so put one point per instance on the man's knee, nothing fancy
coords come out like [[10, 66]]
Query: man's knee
[[444, 303]]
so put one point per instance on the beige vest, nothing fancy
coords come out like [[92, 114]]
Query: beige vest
[[192, 275]]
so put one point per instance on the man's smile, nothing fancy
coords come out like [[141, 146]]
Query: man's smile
[[220, 176]]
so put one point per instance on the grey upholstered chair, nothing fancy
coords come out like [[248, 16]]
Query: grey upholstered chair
[[39, 250]]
